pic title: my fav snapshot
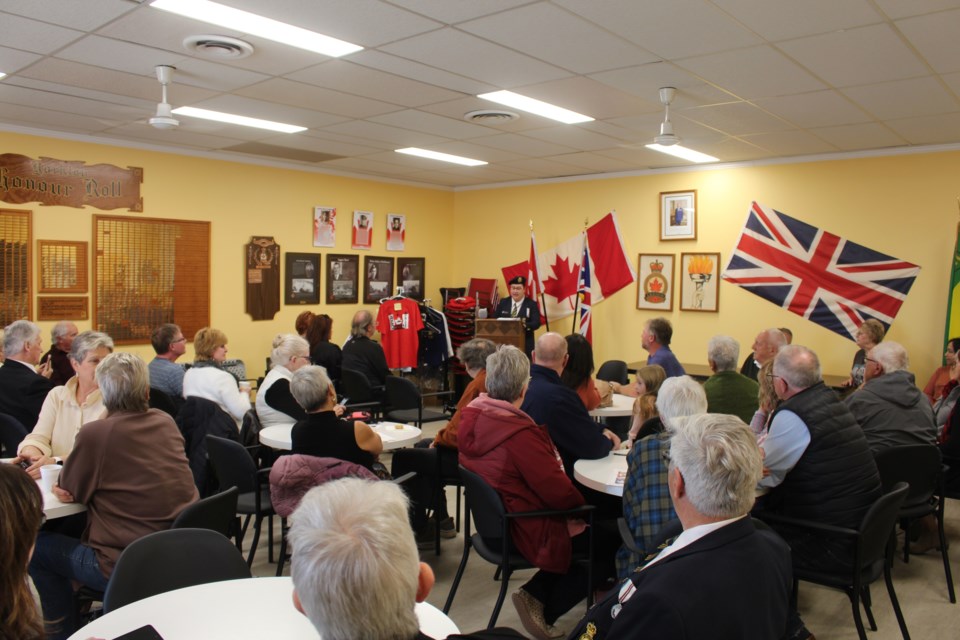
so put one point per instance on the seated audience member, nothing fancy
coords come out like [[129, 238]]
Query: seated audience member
[[69, 407], [868, 335], [473, 355], [944, 404], [21, 514], [549, 402], [890, 408], [765, 346], [767, 400], [645, 419], [322, 433], [165, 374], [646, 501], [941, 377], [820, 465], [365, 355], [577, 373], [375, 599], [787, 334], [655, 339], [275, 404], [303, 322], [514, 455], [22, 389], [208, 379], [722, 577], [61, 337], [131, 472], [323, 352], [728, 391]]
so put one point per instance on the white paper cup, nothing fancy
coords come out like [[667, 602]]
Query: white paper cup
[[49, 473], [244, 386]]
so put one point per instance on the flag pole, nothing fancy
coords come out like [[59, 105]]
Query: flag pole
[[576, 304], [540, 296]]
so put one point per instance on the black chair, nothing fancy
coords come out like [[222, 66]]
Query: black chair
[[12, 434], [165, 402], [359, 392], [235, 468], [217, 513], [406, 403], [873, 545], [492, 540], [445, 480], [920, 466], [169, 560], [613, 371]]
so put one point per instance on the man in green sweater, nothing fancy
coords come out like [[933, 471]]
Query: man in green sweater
[[729, 391]]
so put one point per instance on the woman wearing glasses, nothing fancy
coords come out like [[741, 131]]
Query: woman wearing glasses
[[275, 405]]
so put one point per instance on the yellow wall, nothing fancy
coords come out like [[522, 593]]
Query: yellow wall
[[902, 205]]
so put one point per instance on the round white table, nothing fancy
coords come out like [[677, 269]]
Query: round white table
[[231, 610], [52, 507], [622, 406], [393, 434], [606, 475]]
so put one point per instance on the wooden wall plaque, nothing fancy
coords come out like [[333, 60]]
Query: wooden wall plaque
[[55, 308]]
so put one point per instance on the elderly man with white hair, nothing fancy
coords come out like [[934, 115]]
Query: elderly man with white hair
[[727, 390], [889, 407], [646, 501], [765, 347], [61, 337], [22, 389]]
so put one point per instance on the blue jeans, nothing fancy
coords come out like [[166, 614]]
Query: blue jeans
[[57, 560]]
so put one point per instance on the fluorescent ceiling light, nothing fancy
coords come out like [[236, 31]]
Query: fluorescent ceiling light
[[224, 16], [445, 157], [2, 74], [536, 107], [682, 152], [230, 118]]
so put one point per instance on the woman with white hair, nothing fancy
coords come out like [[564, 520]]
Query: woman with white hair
[[275, 404]]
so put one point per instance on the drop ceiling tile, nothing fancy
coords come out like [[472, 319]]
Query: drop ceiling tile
[[853, 137], [755, 72], [790, 143], [729, 149], [356, 79], [545, 166], [419, 71], [33, 35], [935, 37], [455, 12], [85, 15], [782, 20], [644, 81], [640, 157], [938, 129], [431, 124], [953, 81], [904, 98], [15, 114], [298, 94], [524, 145], [376, 131], [734, 119], [574, 136], [121, 56], [219, 129], [12, 94], [594, 162], [476, 150], [312, 143], [325, 134], [253, 108], [13, 60], [367, 165], [903, 8], [589, 97], [180, 137], [815, 109]]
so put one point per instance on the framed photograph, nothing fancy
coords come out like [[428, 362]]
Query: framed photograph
[[410, 272], [324, 226], [302, 278], [678, 215], [377, 276], [62, 266], [699, 281], [655, 281], [342, 279], [396, 231], [362, 237]]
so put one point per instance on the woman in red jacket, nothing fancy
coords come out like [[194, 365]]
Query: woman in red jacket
[[516, 457]]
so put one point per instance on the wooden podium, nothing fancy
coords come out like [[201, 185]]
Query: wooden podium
[[505, 331]]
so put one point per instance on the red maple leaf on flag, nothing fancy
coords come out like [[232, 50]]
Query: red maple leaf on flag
[[563, 281]]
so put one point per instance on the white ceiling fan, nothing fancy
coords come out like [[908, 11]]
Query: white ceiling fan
[[164, 118], [669, 142]]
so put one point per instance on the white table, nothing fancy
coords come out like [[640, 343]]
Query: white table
[[231, 610], [622, 406], [606, 475], [393, 434], [52, 507]]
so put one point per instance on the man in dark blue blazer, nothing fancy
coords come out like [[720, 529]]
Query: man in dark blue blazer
[[22, 389], [519, 306], [721, 578]]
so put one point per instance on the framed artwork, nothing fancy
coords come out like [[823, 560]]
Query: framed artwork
[[410, 273], [655, 281], [678, 215], [377, 276], [324, 226], [396, 231], [342, 279], [362, 236], [62, 266], [699, 282], [302, 278]]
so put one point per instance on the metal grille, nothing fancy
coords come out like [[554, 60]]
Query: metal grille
[[15, 290]]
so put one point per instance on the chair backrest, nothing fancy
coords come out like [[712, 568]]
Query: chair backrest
[[164, 402], [232, 463], [172, 559], [614, 371], [216, 513], [236, 367], [878, 523], [402, 393], [919, 465], [12, 434], [356, 387], [485, 505]]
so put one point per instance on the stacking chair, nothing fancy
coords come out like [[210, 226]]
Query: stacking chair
[[873, 542], [613, 371], [493, 542], [169, 560], [216, 513], [918, 465], [359, 393], [12, 434], [235, 468], [406, 403]]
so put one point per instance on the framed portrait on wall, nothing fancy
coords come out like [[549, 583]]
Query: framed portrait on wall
[[655, 281], [699, 281], [377, 276], [396, 231], [342, 279], [678, 215], [324, 226], [410, 276], [362, 236], [302, 278]]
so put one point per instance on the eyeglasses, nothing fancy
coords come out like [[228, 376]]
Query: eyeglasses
[[870, 360], [179, 340]]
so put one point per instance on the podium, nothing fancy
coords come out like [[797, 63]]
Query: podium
[[504, 331]]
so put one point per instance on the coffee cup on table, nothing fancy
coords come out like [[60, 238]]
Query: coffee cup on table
[[244, 386], [49, 474]]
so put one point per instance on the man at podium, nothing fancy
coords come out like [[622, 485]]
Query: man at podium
[[519, 306]]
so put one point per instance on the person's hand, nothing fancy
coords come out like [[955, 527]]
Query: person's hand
[[36, 463], [576, 526], [35, 458], [62, 494], [339, 409], [46, 368], [612, 437]]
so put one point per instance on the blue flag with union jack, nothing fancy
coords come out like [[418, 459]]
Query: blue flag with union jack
[[817, 275]]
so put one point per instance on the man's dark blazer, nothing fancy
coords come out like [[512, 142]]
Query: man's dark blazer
[[530, 313], [733, 583], [22, 392]]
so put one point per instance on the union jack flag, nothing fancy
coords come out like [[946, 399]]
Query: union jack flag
[[586, 312], [817, 275]]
